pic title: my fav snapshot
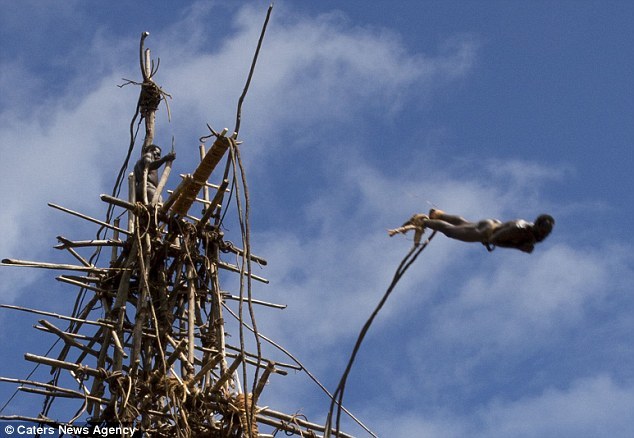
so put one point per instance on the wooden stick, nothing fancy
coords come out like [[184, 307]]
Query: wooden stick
[[49, 386], [55, 315], [35, 383], [63, 364], [145, 173], [187, 179], [201, 174], [62, 394], [291, 426], [66, 338], [262, 303], [182, 356], [278, 364], [131, 200], [119, 202], [210, 365], [147, 64], [207, 184], [74, 253], [82, 243], [217, 322], [201, 200], [142, 304], [227, 246], [75, 326], [115, 250], [119, 308], [86, 280], [201, 149], [234, 268], [191, 309], [227, 375], [69, 334], [88, 218], [63, 267], [270, 367], [83, 285], [291, 419], [117, 343], [178, 352], [213, 205], [164, 176], [40, 420]]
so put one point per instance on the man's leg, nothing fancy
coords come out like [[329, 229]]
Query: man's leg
[[441, 215], [468, 232]]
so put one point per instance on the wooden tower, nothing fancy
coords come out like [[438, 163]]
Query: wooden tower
[[146, 343]]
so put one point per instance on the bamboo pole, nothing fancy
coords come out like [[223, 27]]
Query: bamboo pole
[[130, 206], [115, 235], [119, 307], [201, 174], [144, 176], [255, 356], [270, 367], [213, 205], [164, 176], [291, 426], [74, 253], [207, 183], [191, 309], [69, 334], [226, 375], [200, 200], [63, 364], [187, 179], [210, 365], [217, 323], [262, 303], [59, 266], [74, 282], [108, 324], [142, 302], [227, 246], [88, 218], [291, 420], [75, 325], [201, 149], [117, 344], [62, 394], [68, 340], [177, 353], [83, 243], [48, 386], [184, 359], [233, 268], [131, 200], [36, 420]]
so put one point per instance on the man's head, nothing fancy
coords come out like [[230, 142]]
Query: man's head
[[154, 150], [543, 226]]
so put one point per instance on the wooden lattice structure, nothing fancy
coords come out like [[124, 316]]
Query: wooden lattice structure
[[147, 345]]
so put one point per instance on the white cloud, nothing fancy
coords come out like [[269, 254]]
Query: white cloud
[[313, 75], [517, 299], [596, 406], [589, 407]]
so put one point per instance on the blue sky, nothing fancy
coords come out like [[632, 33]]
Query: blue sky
[[358, 116]]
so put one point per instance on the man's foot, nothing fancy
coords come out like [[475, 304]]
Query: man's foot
[[434, 213], [417, 220]]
